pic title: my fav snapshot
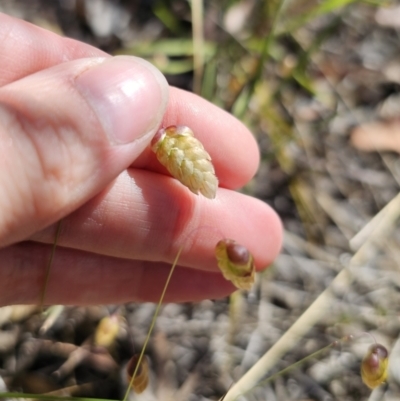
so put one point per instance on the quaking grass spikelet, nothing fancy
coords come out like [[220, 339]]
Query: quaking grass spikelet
[[374, 367], [236, 263], [186, 159]]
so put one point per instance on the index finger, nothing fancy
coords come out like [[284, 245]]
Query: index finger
[[26, 49], [232, 147]]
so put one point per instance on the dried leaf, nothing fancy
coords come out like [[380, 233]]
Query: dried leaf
[[388, 17], [141, 379], [374, 367], [377, 136], [236, 263], [186, 159]]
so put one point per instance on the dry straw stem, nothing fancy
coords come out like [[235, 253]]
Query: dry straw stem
[[198, 43], [317, 309], [390, 213], [153, 322], [338, 214]]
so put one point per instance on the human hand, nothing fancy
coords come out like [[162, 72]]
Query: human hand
[[75, 125]]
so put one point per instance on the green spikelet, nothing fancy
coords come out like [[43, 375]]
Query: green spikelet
[[186, 159]]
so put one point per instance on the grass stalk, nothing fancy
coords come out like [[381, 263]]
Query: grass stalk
[[289, 340], [313, 313], [49, 264], [153, 322]]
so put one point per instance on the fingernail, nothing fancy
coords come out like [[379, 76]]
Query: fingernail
[[128, 94]]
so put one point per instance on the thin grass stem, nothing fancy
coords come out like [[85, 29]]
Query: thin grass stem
[[49, 264], [153, 322]]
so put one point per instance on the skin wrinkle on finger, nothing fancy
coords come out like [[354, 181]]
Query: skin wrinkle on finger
[[156, 227], [18, 276], [34, 130], [74, 158], [84, 278], [45, 166], [16, 196], [146, 210]]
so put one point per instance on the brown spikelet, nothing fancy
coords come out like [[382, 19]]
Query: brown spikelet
[[186, 159], [141, 380], [236, 263]]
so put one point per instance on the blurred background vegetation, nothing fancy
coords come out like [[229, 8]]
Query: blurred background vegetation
[[317, 82]]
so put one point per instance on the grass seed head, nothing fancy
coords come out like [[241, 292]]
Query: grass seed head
[[374, 367], [186, 159], [236, 263]]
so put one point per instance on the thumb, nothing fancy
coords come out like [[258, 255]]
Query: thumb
[[67, 131]]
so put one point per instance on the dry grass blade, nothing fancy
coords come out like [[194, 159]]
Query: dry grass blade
[[315, 312], [153, 322], [289, 340], [380, 223], [337, 213]]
